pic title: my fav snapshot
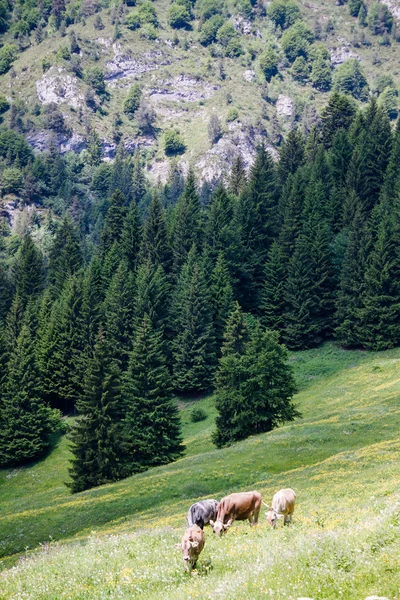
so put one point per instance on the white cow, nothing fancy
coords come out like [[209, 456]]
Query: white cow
[[282, 507]]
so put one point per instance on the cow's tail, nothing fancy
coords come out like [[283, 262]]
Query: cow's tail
[[265, 505]]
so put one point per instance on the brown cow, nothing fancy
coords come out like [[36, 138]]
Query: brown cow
[[192, 544], [282, 507], [237, 507]]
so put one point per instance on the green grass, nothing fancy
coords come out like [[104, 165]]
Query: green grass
[[341, 457]]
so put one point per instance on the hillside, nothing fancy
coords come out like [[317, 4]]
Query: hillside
[[342, 458], [54, 91]]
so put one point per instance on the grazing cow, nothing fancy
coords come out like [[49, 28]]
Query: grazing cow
[[282, 507], [192, 544], [237, 507], [202, 512]]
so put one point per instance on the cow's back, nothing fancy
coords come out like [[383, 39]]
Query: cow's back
[[283, 502], [238, 506]]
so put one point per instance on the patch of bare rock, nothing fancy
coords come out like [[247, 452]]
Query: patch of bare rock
[[183, 89], [57, 86]]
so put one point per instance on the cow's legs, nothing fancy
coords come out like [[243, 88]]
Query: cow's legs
[[287, 520]]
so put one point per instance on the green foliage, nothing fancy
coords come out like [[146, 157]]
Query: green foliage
[[173, 143], [94, 77], [144, 15], [96, 435], [380, 19], [132, 100], [4, 15], [4, 104], [14, 147], [64, 53], [338, 114], [226, 33], [12, 180], [197, 415], [350, 79], [28, 271], [273, 292], [296, 41], [269, 63], [65, 257], [222, 299], [208, 8], [233, 114], [354, 7], [254, 386], [283, 13], [132, 21], [8, 53], [389, 102], [321, 74], [208, 30], [300, 69], [179, 15]]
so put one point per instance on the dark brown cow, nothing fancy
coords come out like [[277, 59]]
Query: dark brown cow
[[192, 544], [237, 507]]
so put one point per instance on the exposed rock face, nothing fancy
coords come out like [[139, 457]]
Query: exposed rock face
[[249, 75], [40, 141], [284, 106], [394, 7], [183, 89], [59, 87], [242, 25], [124, 65], [340, 55]]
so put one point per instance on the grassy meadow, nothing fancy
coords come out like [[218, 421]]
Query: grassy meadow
[[342, 457]]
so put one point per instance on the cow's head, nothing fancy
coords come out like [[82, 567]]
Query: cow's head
[[272, 517], [188, 550], [220, 528]]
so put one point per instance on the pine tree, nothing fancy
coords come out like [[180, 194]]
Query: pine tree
[[380, 313], [155, 244], [194, 353], [115, 221], [255, 385], [186, 226], [391, 186], [122, 174], [222, 299], [63, 357], [152, 431], [291, 155], [131, 237], [338, 114], [273, 292], [13, 323], [138, 178], [238, 177], [65, 256], [175, 185], [26, 422], [351, 285], [28, 270], [152, 297], [219, 229], [92, 303], [119, 309], [97, 434]]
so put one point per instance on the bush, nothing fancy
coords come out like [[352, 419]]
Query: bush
[[284, 13], [234, 48], [8, 53], [321, 74], [245, 8], [64, 53], [179, 16], [354, 7], [349, 78], [147, 14], [46, 64], [214, 129], [379, 19], [4, 104], [132, 101], [198, 414], [94, 77], [269, 63], [207, 8], [132, 21], [14, 146], [388, 100], [146, 117], [148, 32], [173, 143], [296, 41], [12, 180], [209, 29], [232, 115], [300, 69], [226, 33]]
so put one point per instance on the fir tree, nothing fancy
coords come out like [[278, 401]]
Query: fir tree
[[97, 434], [152, 296], [338, 114], [152, 432], [155, 245], [13, 323], [65, 256], [255, 386], [291, 155], [222, 299], [122, 174], [115, 221], [26, 423], [273, 292], [92, 303], [194, 353], [28, 270], [186, 225], [291, 208], [131, 237], [138, 178], [219, 229], [238, 177]]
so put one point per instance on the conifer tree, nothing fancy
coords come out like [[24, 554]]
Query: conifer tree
[[291, 155], [194, 352], [122, 174], [219, 229], [238, 177], [222, 299], [338, 114], [63, 356], [115, 221], [291, 208], [380, 313], [119, 308], [152, 297], [26, 422], [255, 383], [152, 431], [351, 285], [131, 237], [65, 256], [13, 323], [138, 178], [174, 186], [273, 292], [186, 225], [97, 434], [92, 303], [28, 270], [391, 186], [155, 244]]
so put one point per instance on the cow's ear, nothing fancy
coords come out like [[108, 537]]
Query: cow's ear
[[211, 523], [194, 544], [229, 523]]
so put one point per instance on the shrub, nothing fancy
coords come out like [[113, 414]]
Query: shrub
[[198, 414], [349, 78], [232, 115], [173, 143], [321, 74], [132, 100], [296, 41], [147, 14], [245, 8], [146, 117], [214, 129], [132, 21], [148, 32], [12, 180], [46, 64], [269, 63], [98, 23], [207, 8], [4, 104], [283, 13], [382, 82], [379, 19], [8, 53], [179, 16], [300, 69], [209, 29], [388, 100], [94, 77], [14, 146], [226, 33], [64, 53], [234, 48]]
